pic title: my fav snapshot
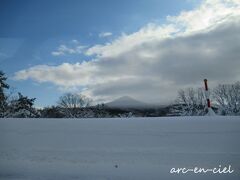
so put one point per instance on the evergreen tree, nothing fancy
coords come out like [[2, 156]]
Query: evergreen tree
[[3, 97], [22, 107]]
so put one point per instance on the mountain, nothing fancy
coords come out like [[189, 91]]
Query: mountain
[[126, 102]]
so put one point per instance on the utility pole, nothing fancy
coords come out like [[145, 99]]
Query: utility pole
[[210, 111], [207, 93]]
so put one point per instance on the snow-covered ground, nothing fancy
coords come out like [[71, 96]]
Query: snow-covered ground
[[118, 149]]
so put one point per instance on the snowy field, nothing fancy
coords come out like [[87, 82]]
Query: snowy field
[[118, 149]]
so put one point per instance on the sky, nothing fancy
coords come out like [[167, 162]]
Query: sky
[[145, 49]]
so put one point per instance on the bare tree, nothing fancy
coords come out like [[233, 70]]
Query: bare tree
[[70, 103], [191, 102], [227, 97]]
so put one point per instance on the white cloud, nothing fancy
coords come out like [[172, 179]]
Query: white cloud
[[127, 42], [105, 34], [75, 41], [154, 62], [72, 48], [65, 75], [210, 14]]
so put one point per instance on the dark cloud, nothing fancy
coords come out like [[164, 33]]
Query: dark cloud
[[176, 63]]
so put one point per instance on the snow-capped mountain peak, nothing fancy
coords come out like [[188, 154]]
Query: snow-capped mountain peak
[[126, 102]]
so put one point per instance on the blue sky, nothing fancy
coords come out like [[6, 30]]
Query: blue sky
[[80, 17], [61, 36]]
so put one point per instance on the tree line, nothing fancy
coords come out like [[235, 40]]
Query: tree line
[[225, 99], [189, 102]]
